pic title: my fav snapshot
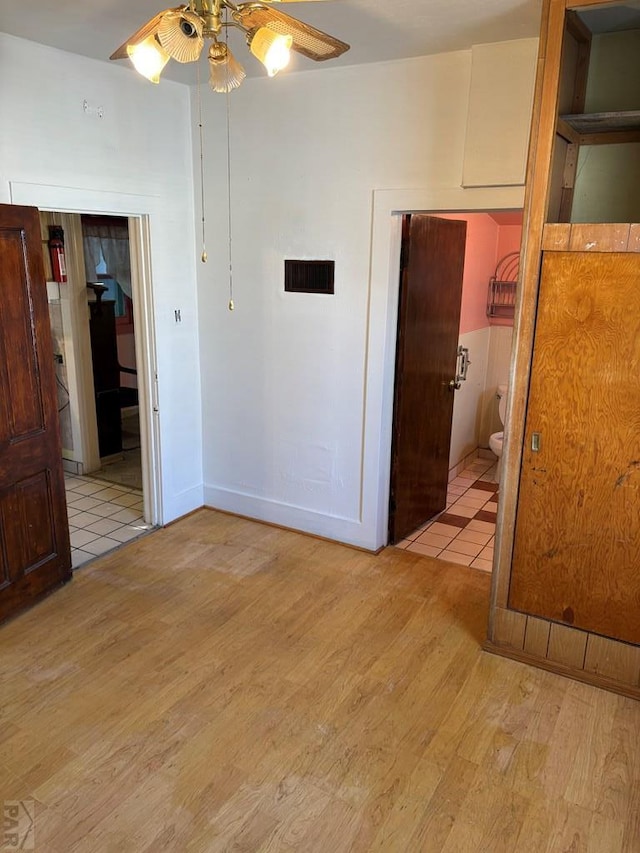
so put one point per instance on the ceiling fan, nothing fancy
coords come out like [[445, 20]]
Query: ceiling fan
[[179, 33]]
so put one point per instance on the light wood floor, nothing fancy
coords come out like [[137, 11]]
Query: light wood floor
[[223, 685]]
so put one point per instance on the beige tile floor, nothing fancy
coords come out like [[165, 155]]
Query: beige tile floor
[[102, 516], [465, 532]]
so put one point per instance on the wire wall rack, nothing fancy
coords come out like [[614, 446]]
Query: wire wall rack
[[501, 298]]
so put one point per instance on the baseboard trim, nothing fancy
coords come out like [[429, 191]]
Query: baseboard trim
[[70, 466], [462, 464], [478, 453], [182, 504], [290, 530], [334, 528], [595, 679]]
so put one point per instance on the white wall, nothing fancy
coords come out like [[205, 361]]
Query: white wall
[[296, 387], [283, 376], [498, 364], [137, 159], [467, 404]]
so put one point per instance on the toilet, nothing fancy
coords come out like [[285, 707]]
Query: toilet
[[495, 440]]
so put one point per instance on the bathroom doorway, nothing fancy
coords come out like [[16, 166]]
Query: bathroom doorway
[[463, 529]]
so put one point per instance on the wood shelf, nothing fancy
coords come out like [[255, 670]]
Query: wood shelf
[[604, 122], [594, 128]]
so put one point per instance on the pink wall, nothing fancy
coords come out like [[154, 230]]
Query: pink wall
[[479, 264], [509, 238], [487, 242]]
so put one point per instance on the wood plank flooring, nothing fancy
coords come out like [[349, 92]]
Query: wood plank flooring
[[224, 685]]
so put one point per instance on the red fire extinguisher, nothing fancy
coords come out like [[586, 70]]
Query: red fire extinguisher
[[56, 250]]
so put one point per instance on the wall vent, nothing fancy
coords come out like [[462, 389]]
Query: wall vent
[[308, 276]]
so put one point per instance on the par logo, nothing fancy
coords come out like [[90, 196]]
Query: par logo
[[18, 825]]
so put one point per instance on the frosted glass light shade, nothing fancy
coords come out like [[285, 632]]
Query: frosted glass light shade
[[226, 71], [148, 58], [272, 49]]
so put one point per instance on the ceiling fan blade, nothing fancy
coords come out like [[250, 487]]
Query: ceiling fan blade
[[140, 35], [307, 40]]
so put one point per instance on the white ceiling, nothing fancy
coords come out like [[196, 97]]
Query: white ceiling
[[375, 29]]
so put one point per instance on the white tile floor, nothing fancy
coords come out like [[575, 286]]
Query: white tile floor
[[464, 533], [101, 516]]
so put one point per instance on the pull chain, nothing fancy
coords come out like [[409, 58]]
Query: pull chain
[[231, 305], [203, 257]]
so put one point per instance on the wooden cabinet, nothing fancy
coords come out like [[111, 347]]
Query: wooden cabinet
[[566, 589], [577, 541]]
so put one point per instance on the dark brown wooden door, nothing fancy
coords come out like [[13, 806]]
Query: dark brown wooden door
[[577, 543], [34, 533], [432, 266]]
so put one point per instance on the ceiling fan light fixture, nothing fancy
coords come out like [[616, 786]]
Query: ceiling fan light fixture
[[148, 58], [180, 34], [271, 48], [226, 73]]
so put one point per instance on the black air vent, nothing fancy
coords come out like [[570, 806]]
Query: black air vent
[[309, 276]]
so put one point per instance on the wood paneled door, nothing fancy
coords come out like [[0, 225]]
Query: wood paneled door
[[432, 266], [34, 534], [577, 544]]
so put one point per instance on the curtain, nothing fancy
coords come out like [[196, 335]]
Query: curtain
[[111, 242]]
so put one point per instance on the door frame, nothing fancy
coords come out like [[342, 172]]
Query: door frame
[[384, 285], [139, 209], [85, 429]]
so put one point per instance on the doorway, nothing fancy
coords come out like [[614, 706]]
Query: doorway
[[109, 473], [462, 528], [113, 348]]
